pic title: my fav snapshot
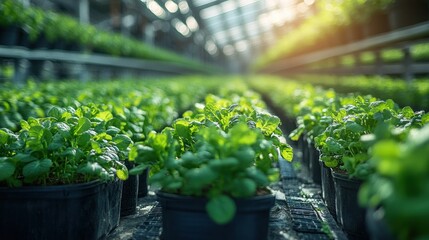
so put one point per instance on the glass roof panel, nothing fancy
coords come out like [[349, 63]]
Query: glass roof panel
[[210, 12]]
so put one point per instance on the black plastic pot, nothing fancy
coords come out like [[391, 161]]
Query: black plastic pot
[[41, 42], [185, 218], [79, 211], [23, 38], [350, 216], [305, 161], [143, 188], [376, 24], [404, 13], [9, 35], [353, 33], [314, 165], [129, 193], [377, 226], [328, 188]]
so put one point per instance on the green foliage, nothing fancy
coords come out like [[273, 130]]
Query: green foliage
[[59, 27], [401, 181], [69, 146], [225, 148], [322, 29]]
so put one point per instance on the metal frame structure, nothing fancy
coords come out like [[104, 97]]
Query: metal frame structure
[[402, 39]]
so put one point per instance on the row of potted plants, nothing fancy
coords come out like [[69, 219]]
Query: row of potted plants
[[212, 168], [341, 129], [414, 94], [419, 53], [37, 28], [73, 159], [339, 22], [156, 100]]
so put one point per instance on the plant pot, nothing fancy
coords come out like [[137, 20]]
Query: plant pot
[[9, 35], [328, 188], [185, 217], [404, 13], [376, 24], [353, 33], [314, 163], [350, 216], [78, 211], [41, 42], [376, 225], [143, 186], [129, 193], [305, 161], [23, 38]]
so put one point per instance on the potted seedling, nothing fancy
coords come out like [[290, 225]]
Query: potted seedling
[[213, 168], [396, 194], [60, 176]]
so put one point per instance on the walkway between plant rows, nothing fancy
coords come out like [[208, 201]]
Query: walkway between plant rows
[[299, 212]]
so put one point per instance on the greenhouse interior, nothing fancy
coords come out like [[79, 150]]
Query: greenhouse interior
[[214, 119]]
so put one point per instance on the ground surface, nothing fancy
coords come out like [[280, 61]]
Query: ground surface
[[299, 212]]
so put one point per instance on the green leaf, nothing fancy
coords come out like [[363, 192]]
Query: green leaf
[[245, 155], [4, 137], [105, 116], [96, 146], [243, 187], [286, 151], [241, 134], [267, 123], [122, 141], [182, 129], [200, 177], [62, 127], [112, 131], [91, 168], [56, 112], [425, 118], [24, 157], [354, 127], [224, 164], [122, 174], [408, 112], [84, 124], [84, 139], [221, 209], [295, 134], [37, 168], [333, 146], [6, 168], [138, 169], [258, 176]]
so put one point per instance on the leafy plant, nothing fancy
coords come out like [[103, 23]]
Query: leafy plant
[[223, 150], [401, 181], [69, 146]]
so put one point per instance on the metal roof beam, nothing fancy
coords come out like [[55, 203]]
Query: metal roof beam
[[211, 4]]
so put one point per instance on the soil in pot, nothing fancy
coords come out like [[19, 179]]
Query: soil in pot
[[79, 211], [350, 216], [185, 218]]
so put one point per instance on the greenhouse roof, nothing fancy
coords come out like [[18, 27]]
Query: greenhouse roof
[[231, 28]]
